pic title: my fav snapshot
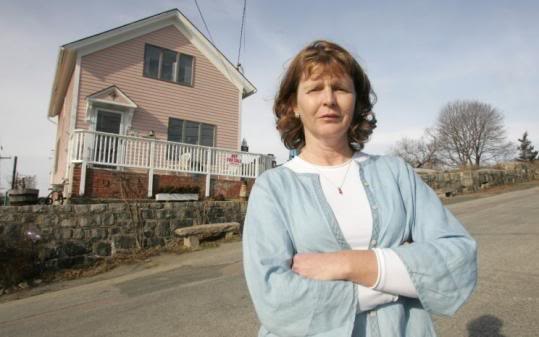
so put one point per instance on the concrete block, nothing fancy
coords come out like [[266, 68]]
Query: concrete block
[[191, 242]]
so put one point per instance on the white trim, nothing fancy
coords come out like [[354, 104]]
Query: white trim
[[239, 121], [75, 95], [178, 20], [125, 118], [119, 35], [72, 116], [126, 110], [104, 101]]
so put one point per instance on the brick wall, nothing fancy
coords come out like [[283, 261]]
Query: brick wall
[[104, 183], [162, 182], [230, 189]]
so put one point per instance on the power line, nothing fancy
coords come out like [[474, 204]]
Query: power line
[[204, 21], [242, 35]]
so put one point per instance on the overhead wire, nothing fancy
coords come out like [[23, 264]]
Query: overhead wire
[[204, 22], [242, 32]]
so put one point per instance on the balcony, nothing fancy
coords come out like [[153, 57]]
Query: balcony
[[116, 151]]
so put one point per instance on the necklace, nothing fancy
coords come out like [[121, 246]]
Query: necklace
[[339, 187]]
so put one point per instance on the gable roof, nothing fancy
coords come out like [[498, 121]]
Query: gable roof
[[68, 53], [112, 95]]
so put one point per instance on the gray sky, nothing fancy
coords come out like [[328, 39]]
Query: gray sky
[[419, 56]]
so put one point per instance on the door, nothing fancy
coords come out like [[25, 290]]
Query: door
[[107, 145]]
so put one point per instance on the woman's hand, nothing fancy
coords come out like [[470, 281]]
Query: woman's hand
[[319, 266], [359, 266]]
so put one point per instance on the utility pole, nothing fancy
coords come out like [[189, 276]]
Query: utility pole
[[14, 173], [3, 202], [1, 148]]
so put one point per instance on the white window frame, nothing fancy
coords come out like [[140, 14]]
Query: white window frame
[[175, 67], [199, 132]]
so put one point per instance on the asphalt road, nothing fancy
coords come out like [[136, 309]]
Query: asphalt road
[[204, 294]]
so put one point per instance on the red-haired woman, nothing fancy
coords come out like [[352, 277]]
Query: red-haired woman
[[338, 242]]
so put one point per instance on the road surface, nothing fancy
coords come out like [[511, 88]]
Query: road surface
[[203, 294]]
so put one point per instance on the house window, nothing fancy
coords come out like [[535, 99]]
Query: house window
[[207, 133], [151, 61], [185, 70], [191, 132], [168, 65]]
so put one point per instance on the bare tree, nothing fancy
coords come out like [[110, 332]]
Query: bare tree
[[469, 133], [420, 153]]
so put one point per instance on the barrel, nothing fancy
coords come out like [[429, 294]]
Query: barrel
[[19, 197]]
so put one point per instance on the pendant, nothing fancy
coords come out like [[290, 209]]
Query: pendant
[[339, 189]]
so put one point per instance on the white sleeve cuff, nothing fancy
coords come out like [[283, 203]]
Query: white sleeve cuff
[[393, 277], [380, 262]]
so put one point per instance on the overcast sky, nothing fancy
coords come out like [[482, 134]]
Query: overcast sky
[[419, 56]]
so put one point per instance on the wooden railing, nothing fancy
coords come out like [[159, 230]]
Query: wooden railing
[[112, 150]]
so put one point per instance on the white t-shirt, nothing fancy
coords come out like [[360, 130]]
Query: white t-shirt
[[353, 213]]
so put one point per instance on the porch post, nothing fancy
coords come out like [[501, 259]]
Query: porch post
[[82, 184], [70, 167], [208, 170], [257, 165], [150, 171]]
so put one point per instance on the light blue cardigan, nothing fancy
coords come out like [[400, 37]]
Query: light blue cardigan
[[288, 214]]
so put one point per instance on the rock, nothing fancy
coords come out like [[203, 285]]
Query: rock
[[37, 281], [23, 285], [102, 249], [98, 208], [72, 249], [206, 231], [125, 242], [191, 242], [68, 223], [81, 209]]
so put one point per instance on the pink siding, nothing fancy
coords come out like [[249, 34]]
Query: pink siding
[[213, 99], [62, 135]]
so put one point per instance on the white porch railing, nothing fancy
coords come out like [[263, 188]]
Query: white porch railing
[[99, 148]]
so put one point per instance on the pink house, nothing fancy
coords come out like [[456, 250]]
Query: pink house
[[155, 98]]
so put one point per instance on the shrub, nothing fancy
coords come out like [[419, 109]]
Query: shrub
[[179, 189]]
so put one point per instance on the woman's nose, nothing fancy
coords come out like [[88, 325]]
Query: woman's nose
[[328, 96]]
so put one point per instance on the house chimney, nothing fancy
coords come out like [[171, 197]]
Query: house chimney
[[244, 146]]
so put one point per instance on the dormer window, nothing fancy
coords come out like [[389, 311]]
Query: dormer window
[[167, 65]]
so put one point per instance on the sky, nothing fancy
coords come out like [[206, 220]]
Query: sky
[[419, 55]]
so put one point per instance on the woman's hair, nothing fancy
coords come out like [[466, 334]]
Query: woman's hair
[[331, 59]]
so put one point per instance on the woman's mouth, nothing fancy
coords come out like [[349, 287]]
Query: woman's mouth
[[330, 117]]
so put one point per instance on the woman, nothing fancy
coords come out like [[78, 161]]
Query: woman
[[340, 243]]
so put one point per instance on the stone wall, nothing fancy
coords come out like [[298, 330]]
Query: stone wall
[[455, 182], [79, 234]]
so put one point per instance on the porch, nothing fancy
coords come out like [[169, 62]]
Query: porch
[[113, 151]]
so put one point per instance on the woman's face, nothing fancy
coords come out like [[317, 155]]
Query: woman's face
[[326, 106]]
